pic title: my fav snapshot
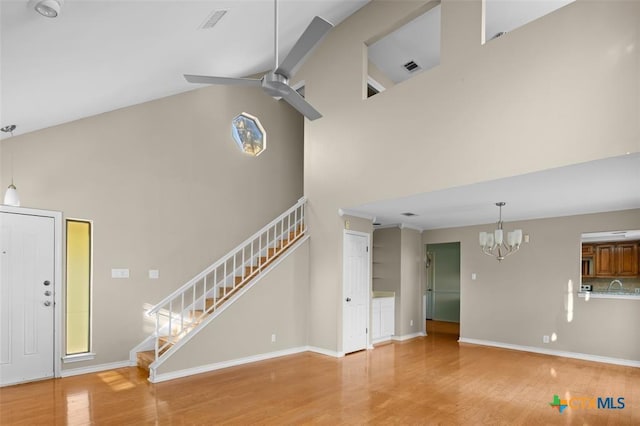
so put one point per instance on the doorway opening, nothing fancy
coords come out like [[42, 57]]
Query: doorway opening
[[442, 298]]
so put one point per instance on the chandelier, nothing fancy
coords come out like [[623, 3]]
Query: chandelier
[[494, 244]]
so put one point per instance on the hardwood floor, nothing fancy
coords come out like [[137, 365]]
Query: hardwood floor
[[427, 380]]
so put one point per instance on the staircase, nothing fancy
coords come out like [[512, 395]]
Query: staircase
[[190, 308]]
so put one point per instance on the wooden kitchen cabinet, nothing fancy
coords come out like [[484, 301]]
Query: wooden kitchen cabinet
[[616, 259], [588, 253], [605, 260], [627, 259], [587, 250]]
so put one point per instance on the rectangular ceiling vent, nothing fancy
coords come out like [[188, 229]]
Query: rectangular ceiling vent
[[213, 19], [408, 214], [411, 66]]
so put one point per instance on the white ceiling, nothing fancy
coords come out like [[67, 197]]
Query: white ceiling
[[418, 41], [604, 185], [98, 56], [101, 55], [507, 15]]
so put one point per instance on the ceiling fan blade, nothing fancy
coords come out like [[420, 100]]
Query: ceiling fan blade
[[204, 79], [310, 38], [294, 99]]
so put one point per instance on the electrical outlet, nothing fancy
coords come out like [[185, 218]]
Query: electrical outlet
[[273, 338], [545, 339]]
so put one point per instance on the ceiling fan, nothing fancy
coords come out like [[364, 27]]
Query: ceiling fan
[[276, 82]]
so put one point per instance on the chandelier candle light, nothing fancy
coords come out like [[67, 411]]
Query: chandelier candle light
[[493, 244]]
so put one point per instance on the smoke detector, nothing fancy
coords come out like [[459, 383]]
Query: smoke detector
[[47, 8]]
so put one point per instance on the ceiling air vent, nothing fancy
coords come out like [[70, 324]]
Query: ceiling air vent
[[408, 214], [411, 66], [213, 19], [500, 34]]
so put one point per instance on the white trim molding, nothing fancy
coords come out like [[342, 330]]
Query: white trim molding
[[326, 352], [408, 336], [347, 212], [408, 226], [163, 377], [553, 352], [87, 356], [95, 368]]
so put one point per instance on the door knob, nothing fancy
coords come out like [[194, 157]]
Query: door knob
[[47, 282], [47, 303], [348, 299], [47, 293]]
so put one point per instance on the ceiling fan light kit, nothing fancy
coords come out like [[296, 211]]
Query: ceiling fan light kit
[[276, 82]]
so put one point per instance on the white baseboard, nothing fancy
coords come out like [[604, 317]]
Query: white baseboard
[[565, 354], [95, 368], [326, 352], [162, 377], [381, 340], [408, 336]]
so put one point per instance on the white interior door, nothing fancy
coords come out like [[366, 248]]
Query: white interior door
[[27, 320], [355, 295]]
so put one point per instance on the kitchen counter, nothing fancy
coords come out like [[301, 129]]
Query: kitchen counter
[[377, 294], [587, 295]]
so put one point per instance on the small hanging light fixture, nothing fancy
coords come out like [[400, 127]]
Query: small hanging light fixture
[[494, 244], [11, 196]]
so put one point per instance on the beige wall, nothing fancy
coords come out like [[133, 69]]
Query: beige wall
[[275, 305], [525, 296], [397, 257], [561, 90], [166, 189], [411, 267]]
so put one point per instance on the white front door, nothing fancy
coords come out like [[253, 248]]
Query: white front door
[[27, 256], [355, 294]]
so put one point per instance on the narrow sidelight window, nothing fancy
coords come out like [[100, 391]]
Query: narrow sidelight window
[[78, 288]]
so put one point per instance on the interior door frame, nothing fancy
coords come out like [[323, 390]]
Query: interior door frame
[[346, 232], [57, 276]]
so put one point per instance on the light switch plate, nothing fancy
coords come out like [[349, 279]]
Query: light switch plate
[[154, 274], [120, 273]]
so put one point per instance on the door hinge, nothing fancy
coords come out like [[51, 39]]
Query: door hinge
[[367, 249], [366, 331]]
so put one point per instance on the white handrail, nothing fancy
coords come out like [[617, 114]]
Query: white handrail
[[229, 255]]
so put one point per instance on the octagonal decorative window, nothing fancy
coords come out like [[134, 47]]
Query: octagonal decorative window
[[249, 134]]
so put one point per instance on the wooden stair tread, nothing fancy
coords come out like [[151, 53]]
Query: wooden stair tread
[[145, 358]]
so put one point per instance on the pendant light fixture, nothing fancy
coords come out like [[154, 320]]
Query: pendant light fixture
[[11, 196], [493, 243]]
